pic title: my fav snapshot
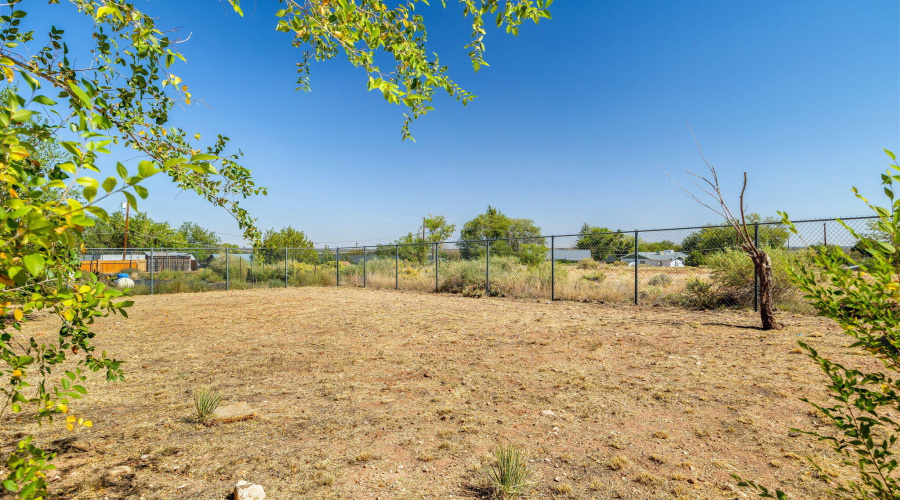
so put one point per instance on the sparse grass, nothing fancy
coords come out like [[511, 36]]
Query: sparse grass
[[617, 462], [363, 457], [350, 384], [562, 488], [508, 474], [206, 400]]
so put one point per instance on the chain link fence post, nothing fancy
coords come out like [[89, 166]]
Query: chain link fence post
[[396, 267], [435, 251], [636, 268], [227, 271], [365, 257], [487, 268], [552, 268], [337, 266], [285, 267], [755, 271], [151, 271]]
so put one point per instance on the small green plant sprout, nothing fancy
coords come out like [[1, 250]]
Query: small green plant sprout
[[206, 400], [508, 475]]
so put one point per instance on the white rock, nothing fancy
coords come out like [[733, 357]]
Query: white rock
[[548, 413], [125, 283], [244, 490], [117, 472]]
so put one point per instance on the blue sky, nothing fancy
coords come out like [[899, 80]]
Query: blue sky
[[575, 121]]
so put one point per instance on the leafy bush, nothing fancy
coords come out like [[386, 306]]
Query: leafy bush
[[532, 254], [210, 275], [699, 293], [588, 264], [464, 276], [733, 278]]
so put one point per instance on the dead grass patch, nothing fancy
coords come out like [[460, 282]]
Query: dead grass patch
[[400, 394]]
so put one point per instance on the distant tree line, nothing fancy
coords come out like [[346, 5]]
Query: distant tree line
[[507, 236]]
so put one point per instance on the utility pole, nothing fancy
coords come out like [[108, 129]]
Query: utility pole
[[127, 208]]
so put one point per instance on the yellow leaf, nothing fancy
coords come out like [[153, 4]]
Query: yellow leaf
[[63, 408], [70, 427], [84, 289], [70, 419], [18, 314], [68, 314], [17, 373], [88, 423]]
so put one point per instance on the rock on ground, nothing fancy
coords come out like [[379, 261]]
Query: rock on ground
[[248, 491]]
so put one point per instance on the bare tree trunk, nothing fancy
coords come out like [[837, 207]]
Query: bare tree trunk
[[746, 242], [763, 266]]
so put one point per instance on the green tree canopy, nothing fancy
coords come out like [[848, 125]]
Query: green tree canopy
[[197, 236], [494, 225], [716, 238], [604, 243], [143, 232], [437, 229], [286, 242]]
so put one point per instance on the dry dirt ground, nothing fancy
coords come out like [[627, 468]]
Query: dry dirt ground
[[384, 394]]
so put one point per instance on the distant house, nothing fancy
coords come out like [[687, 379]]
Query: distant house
[[569, 254], [665, 258]]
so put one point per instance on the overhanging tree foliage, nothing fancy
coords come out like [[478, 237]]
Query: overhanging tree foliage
[[864, 301], [118, 97]]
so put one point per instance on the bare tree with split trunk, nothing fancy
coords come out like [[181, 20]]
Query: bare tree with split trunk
[[762, 264]]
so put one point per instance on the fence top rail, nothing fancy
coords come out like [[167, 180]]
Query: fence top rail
[[365, 248]]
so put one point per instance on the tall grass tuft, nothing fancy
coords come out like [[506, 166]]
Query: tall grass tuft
[[508, 475], [206, 400]]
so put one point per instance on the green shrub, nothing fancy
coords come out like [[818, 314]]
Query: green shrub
[[661, 280], [733, 278], [182, 283], [206, 400], [596, 277], [588, 264], [208, 274], [699, 293], [463, 276], [532, 254], [508, 474]]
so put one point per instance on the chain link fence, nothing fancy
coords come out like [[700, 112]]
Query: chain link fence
[[698, 267]]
